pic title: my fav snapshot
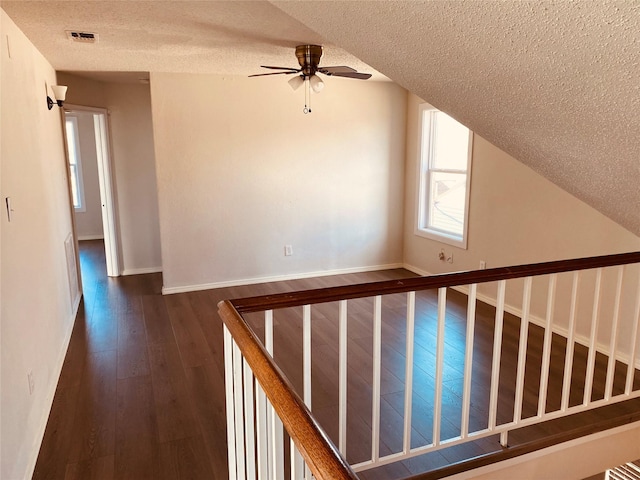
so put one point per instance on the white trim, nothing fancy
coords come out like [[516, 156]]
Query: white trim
[[106, 183], [140, 271], [422, 188], [99, 236], [417, 270], [105, 180], [517, 311], [53, 385], [277, 278]]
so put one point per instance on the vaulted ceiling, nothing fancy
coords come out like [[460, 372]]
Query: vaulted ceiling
[[555, 84]]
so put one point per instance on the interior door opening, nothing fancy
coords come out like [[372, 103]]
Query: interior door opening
[[94, 204]]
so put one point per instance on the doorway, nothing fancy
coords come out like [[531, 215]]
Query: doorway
[[92, 192]]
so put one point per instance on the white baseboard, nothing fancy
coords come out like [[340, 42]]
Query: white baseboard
[[416, 270], [140, 271], [276, 278], [517, 311], [91, 237], [514, 310], [44, 418]]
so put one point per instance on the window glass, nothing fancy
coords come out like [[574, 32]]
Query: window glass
[[450, 143], [446, 202], [445, 162], [75, 172]]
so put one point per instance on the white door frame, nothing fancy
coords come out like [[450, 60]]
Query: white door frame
[[105, 179]]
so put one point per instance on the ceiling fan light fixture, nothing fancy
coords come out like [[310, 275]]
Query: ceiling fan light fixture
[[316, 83], [309, 59], [296, 82]]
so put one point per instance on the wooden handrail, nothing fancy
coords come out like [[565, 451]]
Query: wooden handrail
[[332, 294], [320, 454]]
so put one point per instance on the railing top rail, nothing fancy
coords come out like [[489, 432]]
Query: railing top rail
[[320, 454], [332, 294]]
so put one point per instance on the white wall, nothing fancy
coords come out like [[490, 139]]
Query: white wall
[[89, 221], [133, 158], [517, 217], [242, 172], [36, 305]]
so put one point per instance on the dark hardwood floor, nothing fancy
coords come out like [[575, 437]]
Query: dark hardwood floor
[[141, 394]]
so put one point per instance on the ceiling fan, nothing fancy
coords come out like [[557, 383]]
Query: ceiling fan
[[309, 59]]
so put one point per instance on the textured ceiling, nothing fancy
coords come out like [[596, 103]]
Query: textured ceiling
[[555, 84], [222, 37]]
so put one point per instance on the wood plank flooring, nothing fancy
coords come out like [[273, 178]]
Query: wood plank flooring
[[141, 393]]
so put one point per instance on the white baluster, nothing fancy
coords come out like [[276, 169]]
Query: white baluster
[[593, 339], [342, 416], [408, 375], [497, 350], [522, 350], [297, 463], [546, 349], [377, 358], [634, 342], [239, 412], [230, 402], [263, 433], [306, 367], [611, 365], [568, 359], [437, 403], [468, 359], [249, 423]]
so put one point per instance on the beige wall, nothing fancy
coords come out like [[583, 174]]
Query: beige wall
[[242, 172], [36, 305], [133, 158], [133, 153], [89, 221], [574, 460], [518, 217]]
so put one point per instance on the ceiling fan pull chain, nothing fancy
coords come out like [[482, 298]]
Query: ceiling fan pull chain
[[307, 97]]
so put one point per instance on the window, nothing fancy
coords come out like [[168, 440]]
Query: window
[[75, 165], [445, 166]]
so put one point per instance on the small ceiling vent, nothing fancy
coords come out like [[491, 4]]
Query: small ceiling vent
[[82, 37]]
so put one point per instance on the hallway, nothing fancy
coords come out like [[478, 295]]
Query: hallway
[[132, 402]]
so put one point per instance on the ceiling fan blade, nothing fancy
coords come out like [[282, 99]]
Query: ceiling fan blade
[[280, 68], [275, 73], [357, 75], [332, 70]]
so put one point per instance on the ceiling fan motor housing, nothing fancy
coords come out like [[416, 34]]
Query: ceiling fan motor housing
[[309, 58]]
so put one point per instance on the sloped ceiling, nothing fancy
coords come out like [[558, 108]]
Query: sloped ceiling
[[555, 84]]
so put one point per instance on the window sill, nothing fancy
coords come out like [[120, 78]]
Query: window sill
[[442, 237]]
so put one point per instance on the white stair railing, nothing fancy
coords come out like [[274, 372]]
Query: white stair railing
[[264, 413], [603, 300]]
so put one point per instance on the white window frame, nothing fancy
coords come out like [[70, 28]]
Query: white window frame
[[78, 170], [424, 171]]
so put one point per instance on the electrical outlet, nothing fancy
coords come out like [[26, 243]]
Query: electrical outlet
[[450, 258], [483, 264], [288, 250], [32, 384]]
